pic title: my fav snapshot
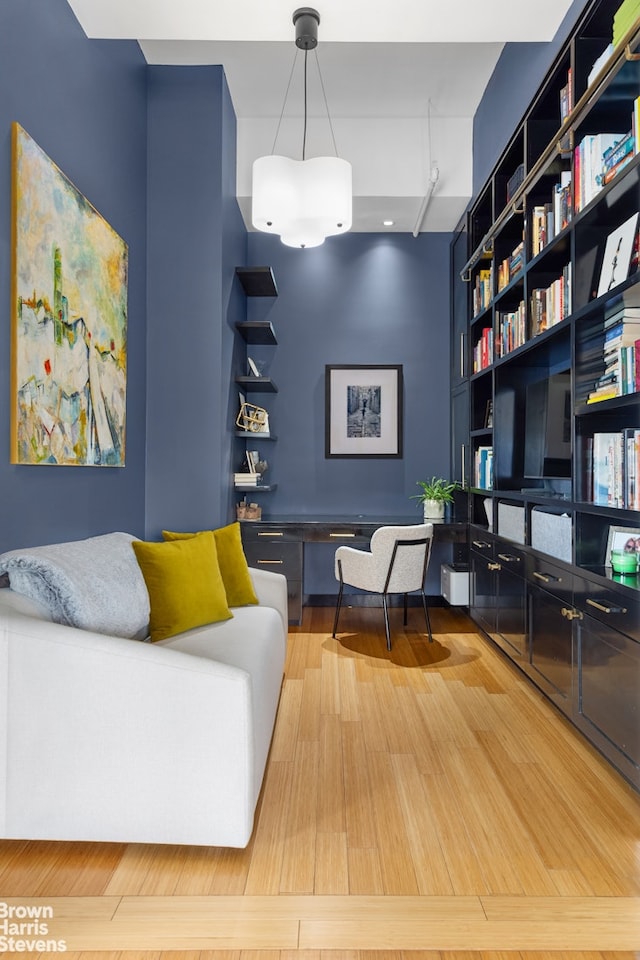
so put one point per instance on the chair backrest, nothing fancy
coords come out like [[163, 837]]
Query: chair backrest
[[401, 556]]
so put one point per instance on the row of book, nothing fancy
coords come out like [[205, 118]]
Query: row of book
[[483, 467], [613, 469], [482, 290], [552, 304], [624, 18], [620, 350], [511, 266], [588, 165], [548, 219], [483, 350], [512, 330]]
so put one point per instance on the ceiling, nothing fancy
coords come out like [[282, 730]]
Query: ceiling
[[402, 84]]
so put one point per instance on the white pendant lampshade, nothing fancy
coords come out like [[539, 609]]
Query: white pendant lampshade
[[303, 201]]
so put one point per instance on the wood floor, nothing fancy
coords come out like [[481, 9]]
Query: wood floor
[[423, 804]]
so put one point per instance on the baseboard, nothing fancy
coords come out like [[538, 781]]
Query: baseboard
[[368, 600]]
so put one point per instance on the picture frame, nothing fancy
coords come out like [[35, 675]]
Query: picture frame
[[617, 255], [69, 320], [363, 410], [488, 415], [619, 538]]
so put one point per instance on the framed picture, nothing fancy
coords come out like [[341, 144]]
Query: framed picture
[[622, 538], [363, 410], [69, 321], [488, 414], [617, 255]]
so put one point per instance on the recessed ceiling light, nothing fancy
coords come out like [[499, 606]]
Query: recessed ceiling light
[[388, 223]]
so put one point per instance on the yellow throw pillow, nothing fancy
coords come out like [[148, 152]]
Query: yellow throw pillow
[[232, 561], [184, 584]]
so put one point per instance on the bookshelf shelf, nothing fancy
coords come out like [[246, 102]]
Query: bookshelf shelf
[[555, 473]]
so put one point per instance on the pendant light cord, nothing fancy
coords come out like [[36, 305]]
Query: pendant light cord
[[284, 104]]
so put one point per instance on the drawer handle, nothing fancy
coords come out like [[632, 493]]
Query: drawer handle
[[509, 559], [494, 566], [272, 562], [546, 577], [342, 534], [271, 533], [604, 608], [571, 614], [481, 544]]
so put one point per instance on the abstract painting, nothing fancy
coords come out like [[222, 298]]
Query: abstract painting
[[363, 411], [69, 324]]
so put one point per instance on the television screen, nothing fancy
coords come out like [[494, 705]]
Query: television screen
[[547, 452]]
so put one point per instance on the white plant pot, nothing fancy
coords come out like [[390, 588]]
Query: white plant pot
[[433, 509]]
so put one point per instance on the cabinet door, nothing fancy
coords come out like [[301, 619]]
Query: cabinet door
[[459, 309], [511, 612], [551, 644], [609, 680], [483, 601], [460, 457]]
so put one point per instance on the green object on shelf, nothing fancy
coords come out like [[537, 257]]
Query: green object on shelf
[[624, 561]]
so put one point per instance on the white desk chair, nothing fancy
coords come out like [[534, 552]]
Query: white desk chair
[[396, 562]]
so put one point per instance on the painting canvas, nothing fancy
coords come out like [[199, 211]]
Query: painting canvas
[[363, 415], [69, 333]]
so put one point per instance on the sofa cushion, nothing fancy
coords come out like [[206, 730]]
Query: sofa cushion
[[94, 584], [184, 583], [232, 562]]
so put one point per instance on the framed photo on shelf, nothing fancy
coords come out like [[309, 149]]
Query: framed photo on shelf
[[626, 539], [363, 410], [617, 255], [488, 414]]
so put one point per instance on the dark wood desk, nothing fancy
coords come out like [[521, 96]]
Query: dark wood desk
[[277, 542]]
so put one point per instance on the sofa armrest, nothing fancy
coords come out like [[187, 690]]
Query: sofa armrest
[[271, 590]]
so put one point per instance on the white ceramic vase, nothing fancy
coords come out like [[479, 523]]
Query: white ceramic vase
[[433, 509]]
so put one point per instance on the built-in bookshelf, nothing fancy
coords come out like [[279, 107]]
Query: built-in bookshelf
[[554, 409]]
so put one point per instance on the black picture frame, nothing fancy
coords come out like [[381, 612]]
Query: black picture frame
[[364, 411]]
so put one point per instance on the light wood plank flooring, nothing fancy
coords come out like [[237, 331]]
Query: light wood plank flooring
[[427, 804]]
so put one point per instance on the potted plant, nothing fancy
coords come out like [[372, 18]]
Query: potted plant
[[435, 493]]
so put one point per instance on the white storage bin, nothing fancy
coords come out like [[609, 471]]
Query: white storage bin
[[454, 584], [511, 522], [551, 533]]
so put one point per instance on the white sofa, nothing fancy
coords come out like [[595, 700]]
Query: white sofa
[[111, 739]]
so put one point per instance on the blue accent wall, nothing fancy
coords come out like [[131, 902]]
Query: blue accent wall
[[196, 237], [84, 103], [358, 298], [519, 72]]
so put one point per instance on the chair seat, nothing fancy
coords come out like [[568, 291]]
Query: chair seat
[[396, 563]]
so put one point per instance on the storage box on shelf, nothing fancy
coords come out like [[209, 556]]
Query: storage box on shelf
[[562, 380]]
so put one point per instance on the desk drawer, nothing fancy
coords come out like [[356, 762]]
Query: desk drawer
[[261, 532], [281, 557]]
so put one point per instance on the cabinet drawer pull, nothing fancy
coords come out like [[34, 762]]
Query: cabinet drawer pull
[[604, 608], [272, 562], [494, 566], [271, 533], [509, 559], [571, 614], [481, 544], [342, 535], [546, 577]]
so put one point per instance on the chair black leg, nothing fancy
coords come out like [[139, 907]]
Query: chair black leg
[[404, 597], [386, 620], [338, 605], [426, 617]]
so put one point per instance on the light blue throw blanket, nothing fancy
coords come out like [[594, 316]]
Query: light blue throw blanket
[[94, 584]]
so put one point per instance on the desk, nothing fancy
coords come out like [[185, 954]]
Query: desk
[[277, 543]]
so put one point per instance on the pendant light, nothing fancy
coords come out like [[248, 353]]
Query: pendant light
[[303, 201]]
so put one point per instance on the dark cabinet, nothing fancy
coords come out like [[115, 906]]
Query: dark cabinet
[[269, 546]]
